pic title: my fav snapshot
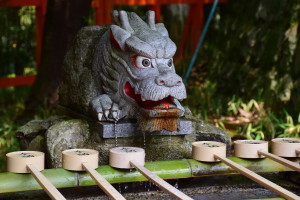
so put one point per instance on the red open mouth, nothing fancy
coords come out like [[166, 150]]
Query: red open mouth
[[163, 104]]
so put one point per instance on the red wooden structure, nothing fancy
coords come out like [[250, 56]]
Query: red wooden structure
[[103, 8], [40, 13]]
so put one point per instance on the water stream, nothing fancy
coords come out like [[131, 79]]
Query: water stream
[[116, 135], [120, 188], [170, 146], [144, 135], [176, 184]]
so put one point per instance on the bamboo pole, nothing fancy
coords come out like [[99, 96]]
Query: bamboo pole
[[174, 169], [258, 179], [283, 161]]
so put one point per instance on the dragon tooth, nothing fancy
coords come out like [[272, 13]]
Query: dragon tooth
[[143, 99]]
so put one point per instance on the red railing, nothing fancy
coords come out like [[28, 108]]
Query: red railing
[[103, 8]]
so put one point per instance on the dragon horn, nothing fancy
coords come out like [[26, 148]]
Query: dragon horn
[[124, 21], [115, 17], [151, 19]]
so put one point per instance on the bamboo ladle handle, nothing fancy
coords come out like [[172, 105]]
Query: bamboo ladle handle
[[283, 161], [258, 179], [45, 183], [160, 182], [103, 183]]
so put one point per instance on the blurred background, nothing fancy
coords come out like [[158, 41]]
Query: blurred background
[[245, 79]]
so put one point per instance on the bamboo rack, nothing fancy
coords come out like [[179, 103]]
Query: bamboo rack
[[175, 169]]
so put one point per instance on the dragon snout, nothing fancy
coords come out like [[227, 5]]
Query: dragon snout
[[168, 80]]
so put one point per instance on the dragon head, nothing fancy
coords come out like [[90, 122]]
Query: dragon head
[[139, 74]]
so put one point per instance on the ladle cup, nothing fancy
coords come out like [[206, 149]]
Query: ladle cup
[[208, 151], [286, 147], [133, 157], [32, 162], [259, 149], [87, 160]]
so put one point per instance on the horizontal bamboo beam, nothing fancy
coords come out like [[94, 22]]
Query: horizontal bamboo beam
[[175, 169]]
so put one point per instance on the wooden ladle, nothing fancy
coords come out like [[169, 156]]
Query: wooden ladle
[[259, 149], [209, 151], [87, 160], [133, 157], [32, 162]]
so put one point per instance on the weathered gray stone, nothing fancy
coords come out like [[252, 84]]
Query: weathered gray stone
[[32, 129], [79, 133], [129, 129], [203, 131], [65, 135], [38, 144]]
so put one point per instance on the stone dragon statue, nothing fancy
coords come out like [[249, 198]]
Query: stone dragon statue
[[123, 76], [125, 70], [116, 72]]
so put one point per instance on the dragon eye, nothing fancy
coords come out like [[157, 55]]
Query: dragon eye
[[146, 62], [142, 62], [170, 63]]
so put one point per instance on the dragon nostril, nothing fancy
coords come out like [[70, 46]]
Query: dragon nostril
[[162, 82]]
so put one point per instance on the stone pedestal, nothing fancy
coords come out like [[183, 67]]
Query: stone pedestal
[[130, 129], [56, 134]]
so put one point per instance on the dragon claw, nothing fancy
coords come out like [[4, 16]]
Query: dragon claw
[[105, 108], [100, 114], [115, 115], [106, 114]]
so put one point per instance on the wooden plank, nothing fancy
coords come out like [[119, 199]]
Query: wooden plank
[[40, 15], [17, 81], [184, 36], [20, 3], [196, 25]]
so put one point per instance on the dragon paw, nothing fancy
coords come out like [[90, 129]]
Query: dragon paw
[[105, 108]]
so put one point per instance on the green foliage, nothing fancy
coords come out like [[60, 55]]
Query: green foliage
[[17, 36], [286, 127], [11, 104], [251, 121], [252, 51], [12, 101], [247, 77]]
